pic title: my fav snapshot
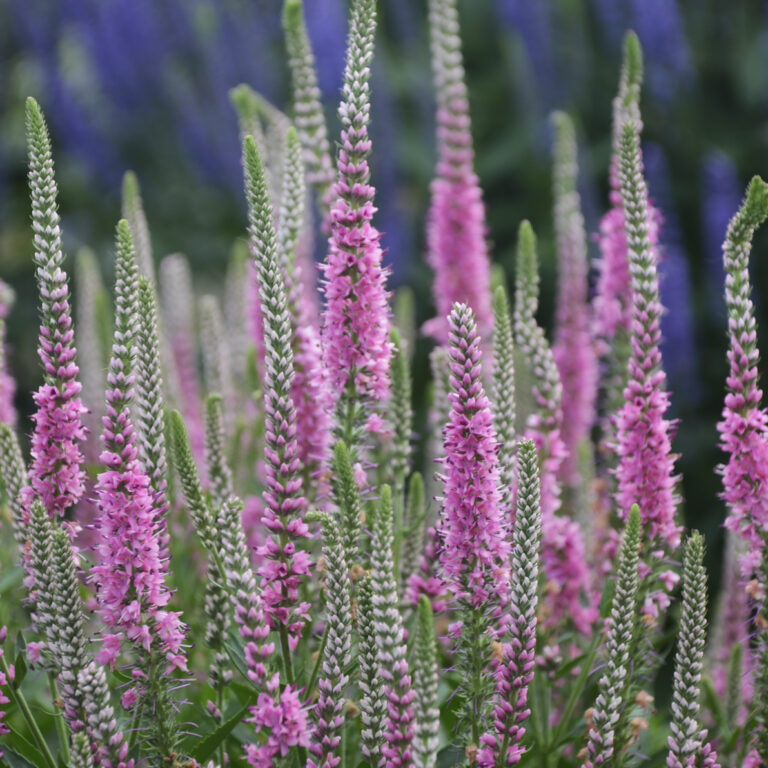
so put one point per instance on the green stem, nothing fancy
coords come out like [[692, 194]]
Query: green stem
[[18, 698], [220, 707], [61, 727], [301, 752], [316, 668]]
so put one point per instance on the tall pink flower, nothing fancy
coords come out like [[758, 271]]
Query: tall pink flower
[[8, 413], [474, 549], [744, 427], [311, 392], [356, 346], [178, 322], [56, 473], [573, 350], [130, 573], [284, 564], [645, 472], [457, 250], [564, 561]]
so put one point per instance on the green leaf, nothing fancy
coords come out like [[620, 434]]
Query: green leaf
[[11, 578], [236, 654], [205, 747], [23, 749], [21, 668], [14, 760]]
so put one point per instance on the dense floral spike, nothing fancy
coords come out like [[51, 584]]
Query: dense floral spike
[[8, 413], [356, 346], [149, 398], [56, 472], [130, 572], [89, 291], [346, 496], [504, 397], [390, 641], [645, 472], [203, 519], [217, 369], [620, 628], [744, 427], [307, 107], [178, 321], [278, 712], [236, 317], [110, 745], [612, 305], [133, 213], [81, 756], [373, 704], [686, 741], [311, 393], [456, 229], [71, 650], [13, 475], [291, 218], [332, 685], [425, 684], [474, 547], [545, 424], [284, 564], [39, 581], [514, 670], [219, 472], [400, 415], [563, 548], [573, 350]]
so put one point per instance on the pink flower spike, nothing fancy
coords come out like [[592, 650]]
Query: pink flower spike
[[474, 551], [130, 572], [645, 474], [356, 346], [744, 426], [457, 250], [56, 474]]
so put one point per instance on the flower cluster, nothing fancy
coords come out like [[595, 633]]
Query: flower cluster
[[340, 614]]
